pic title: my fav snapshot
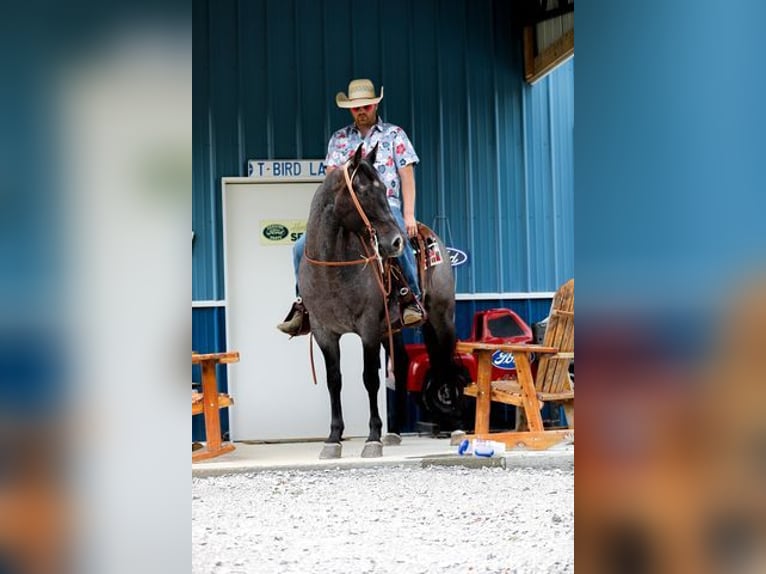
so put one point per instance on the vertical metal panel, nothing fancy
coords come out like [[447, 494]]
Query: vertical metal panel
[[510, 247], [312, 101], [549, 106], [282, 76], [540, 248], [482, 190], [396, 70], [255, 116], [204, 272], [427, 124], [454, 146], [496, 154], [562, 89]]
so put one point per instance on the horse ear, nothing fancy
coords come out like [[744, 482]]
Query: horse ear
[[371, 155], [357, 156]]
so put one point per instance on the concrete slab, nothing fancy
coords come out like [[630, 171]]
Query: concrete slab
[[414, 450], [464, 461]]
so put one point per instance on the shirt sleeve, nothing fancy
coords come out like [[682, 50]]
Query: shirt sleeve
[[337, 150], [404, 151]]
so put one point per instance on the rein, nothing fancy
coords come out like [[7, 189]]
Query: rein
[[367, 224], [379, 271]]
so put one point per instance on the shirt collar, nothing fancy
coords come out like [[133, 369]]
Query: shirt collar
[[377, 126]]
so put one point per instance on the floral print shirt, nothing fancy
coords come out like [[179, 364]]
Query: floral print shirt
[[395, 151]]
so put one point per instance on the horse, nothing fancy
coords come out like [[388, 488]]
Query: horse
[[351, 235]]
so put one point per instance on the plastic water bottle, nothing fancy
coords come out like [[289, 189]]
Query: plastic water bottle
[[481, 447], [484, 448]]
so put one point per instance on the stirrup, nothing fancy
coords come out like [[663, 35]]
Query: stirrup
[[412, 316]]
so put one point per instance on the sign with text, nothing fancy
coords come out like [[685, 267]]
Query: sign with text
[[456, 256], [281, 232], [276, 169]]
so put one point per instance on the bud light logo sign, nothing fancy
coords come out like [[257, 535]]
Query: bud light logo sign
[[503, 360], [456, 256]]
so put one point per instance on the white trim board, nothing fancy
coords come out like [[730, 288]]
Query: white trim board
[[239, 179], [207, 304], [507, 296], [511, 296]]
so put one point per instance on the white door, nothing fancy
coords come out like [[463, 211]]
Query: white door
[[275, 397]]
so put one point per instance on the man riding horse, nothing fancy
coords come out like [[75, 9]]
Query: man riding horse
[[346, 274], [394, 162]]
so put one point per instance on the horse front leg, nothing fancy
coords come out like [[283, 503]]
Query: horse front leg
[[373, 447], [331, 350]]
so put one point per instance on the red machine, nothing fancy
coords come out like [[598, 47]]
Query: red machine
[[489, 326]]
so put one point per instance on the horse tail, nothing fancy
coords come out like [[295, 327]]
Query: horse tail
[[443, 394]]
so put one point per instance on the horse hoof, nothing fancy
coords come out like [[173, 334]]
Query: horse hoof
[[331, 450], [392, 439], [372, 449]]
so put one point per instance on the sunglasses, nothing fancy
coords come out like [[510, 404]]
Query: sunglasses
[[366, 108]]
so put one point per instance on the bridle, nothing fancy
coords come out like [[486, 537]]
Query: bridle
[[372, 234], [371, 253]]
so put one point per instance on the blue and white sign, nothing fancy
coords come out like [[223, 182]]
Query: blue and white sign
[[503, 360], [276, 169], [456, 256]]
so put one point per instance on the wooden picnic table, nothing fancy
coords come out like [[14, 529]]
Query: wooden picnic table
[[210, 401]]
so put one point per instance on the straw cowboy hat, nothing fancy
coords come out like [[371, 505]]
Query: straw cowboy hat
[[360, 93]]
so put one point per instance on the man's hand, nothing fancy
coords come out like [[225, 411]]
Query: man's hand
[[410, 225]]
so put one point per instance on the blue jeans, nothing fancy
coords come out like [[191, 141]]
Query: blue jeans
[[406, 259]]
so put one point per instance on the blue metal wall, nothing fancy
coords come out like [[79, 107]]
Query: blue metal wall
[[496, 173], [496, 177]]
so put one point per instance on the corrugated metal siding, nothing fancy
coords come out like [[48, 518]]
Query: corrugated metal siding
[[496, 154], [549, 153]]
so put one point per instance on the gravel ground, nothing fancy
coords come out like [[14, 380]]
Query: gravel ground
[[385, 520]]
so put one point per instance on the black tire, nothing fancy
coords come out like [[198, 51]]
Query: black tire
[[444, 401]]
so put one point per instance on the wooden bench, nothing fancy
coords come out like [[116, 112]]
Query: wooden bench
[[550, 384], [209, 401]]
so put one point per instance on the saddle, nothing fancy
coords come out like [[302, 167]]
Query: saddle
[[427, 254]]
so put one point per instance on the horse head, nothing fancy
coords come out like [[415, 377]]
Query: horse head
[[372, 204]]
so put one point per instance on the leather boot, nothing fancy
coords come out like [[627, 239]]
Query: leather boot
[[297, 320], [412, 315], [412, 312]]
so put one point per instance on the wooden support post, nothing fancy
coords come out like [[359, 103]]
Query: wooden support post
[[483, 382], [210, 398], [529, 395]]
